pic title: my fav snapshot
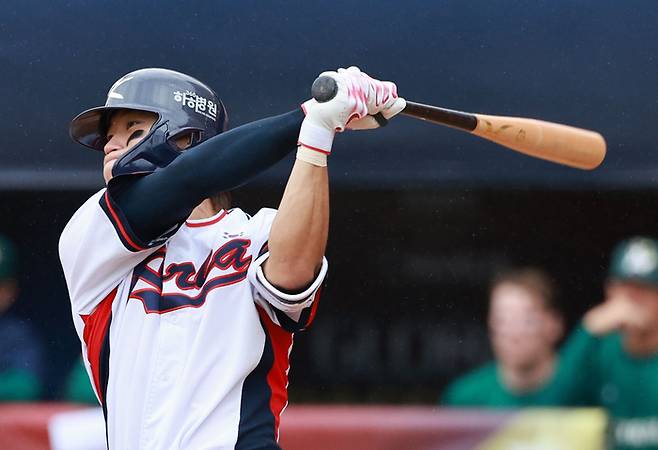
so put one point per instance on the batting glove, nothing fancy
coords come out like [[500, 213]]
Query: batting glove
[[381, 96], [323, 120], [358, 98]]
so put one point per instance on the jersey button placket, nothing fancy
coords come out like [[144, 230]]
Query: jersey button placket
[[173, 343], [149, 424]]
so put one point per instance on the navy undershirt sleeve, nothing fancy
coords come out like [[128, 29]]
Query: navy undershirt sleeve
[[155, 203]]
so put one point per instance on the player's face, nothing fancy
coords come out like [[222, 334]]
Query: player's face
[[127, 128], [522, 330], [644, 300]]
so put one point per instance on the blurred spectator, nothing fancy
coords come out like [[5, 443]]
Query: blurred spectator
[[612, 358], [20, 350], [525, 327], [78, 388]]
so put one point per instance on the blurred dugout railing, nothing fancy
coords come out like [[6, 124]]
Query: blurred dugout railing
[[61, 426]]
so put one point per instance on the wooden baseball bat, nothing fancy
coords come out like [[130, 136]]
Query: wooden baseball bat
[[562, 144]]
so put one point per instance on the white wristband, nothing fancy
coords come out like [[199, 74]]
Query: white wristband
[[311, 156], [316, 136]]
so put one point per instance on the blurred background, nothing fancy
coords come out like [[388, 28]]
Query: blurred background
[[422, 216]]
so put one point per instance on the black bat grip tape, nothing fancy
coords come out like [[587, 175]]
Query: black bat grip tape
[[325, 88]]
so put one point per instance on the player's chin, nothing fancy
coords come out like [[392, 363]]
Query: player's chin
[[107, 170]]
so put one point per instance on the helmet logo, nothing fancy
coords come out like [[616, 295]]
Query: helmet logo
[[199, 104], [112, 93], [640, 258]]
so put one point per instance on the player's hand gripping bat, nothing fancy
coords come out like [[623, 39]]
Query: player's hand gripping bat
[[562, 144]]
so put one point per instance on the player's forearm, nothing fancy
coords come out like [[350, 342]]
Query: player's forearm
[[298, 237], [613, 314], [598, 322], [577, 378], [158, 201]]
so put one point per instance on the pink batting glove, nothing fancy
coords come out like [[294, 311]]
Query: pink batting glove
[[323, 120], [382, 97]]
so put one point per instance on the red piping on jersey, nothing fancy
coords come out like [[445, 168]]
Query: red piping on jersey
[[118, 222], [210, 222], [314, 308], [96, 327], [277, 377]]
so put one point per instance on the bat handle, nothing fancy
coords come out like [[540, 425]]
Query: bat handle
[[325, 88]]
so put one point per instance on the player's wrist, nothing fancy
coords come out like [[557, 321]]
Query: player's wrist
[[312, 156], [315, 134]]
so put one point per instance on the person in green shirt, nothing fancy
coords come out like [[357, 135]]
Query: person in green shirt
[[77, 388], [21, 363], [611, 359], [525, 326]]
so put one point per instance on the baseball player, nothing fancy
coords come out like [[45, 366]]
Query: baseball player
[[186, 309]]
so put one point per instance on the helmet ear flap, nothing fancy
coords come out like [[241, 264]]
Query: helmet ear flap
[[196, 137], [186, 139]]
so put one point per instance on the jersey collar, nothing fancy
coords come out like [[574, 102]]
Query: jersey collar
[[194, 223]]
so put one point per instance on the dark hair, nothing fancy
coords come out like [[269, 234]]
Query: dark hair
[[535, 281], [221, 201]]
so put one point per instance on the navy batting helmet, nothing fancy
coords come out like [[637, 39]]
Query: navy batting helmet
[[183, 105]]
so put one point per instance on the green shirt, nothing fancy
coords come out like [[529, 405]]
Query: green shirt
[[18, 385], [78, 385], [598, 371], [591, 371], [483, 387]]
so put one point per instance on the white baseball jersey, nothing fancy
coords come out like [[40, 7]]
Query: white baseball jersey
[[185, 341]]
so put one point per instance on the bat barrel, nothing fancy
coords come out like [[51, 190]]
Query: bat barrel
[[562, 144]]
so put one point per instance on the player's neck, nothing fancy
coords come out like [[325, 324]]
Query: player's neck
[[530, 378], [203, 210]]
